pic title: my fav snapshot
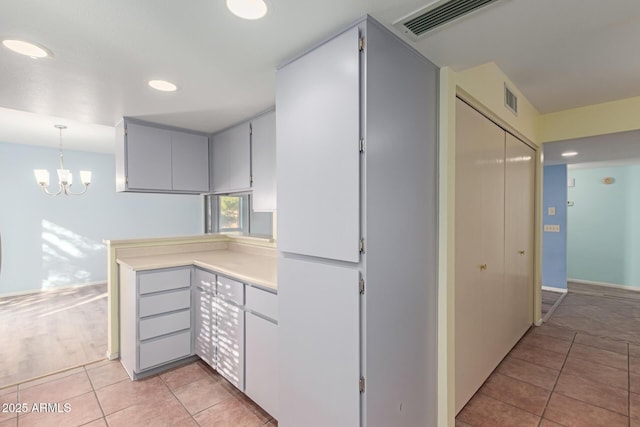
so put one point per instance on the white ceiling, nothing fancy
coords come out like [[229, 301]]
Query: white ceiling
[[621, 148], [561, 54]]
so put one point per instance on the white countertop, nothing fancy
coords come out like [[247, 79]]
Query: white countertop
[[257, 269]]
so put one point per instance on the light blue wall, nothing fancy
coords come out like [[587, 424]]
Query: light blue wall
[[604, 226], [50, 242], [554, 245]]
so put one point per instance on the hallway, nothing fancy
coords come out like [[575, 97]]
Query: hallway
[[581, 368]]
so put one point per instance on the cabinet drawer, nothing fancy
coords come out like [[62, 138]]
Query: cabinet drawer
[[231, 290], [262, 302], [164, 280], [162, 303], [164, 350], [164, 324], [205, 280]]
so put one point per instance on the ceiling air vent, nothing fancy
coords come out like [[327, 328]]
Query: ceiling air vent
[[438, 13], [510, 100]]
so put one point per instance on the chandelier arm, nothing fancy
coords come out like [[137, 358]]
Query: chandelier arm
[[46, 190], [68, 191]]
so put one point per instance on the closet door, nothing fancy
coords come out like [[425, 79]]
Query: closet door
[[519, 224], [479, 246]]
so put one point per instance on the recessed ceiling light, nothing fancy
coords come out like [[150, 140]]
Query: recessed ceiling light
[[163, 85], [247, 9], [26, 48], [569, 153]]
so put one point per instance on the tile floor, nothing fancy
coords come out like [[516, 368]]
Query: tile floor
[[556, 376], [549, 300], [101, 394]]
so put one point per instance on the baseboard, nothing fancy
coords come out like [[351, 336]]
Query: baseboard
[[113, 356], [604, 284], [603, 289], [554, 289], [61, 288], [553, 307]]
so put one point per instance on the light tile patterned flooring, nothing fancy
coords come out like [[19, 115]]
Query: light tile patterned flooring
[[560, 376], [101, 394]]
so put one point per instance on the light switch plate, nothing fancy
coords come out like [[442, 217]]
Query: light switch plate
[[552, 228]]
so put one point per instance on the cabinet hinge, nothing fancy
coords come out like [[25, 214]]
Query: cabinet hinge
[[361, 246], [362, 145], [250, 180], [361, 286], [361, 44], [361, 384], [250, 129]]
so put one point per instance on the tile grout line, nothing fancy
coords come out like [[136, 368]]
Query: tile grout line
[[628, 416], [93, 389], [564, 362], [192, 416]]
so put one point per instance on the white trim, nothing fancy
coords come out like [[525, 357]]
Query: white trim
[[610, 285], [113, 356], [554, 289], [538, 322], [61, 288]]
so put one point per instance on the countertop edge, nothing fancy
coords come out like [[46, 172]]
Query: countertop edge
[[192, 259]]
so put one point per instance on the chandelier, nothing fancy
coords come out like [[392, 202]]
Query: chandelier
[[65, 179]]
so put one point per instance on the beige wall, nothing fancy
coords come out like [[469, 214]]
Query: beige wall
[[599, 119], [483, 87]]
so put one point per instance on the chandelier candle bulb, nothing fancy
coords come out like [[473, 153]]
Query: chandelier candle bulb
[[85, 177], [42, 176]]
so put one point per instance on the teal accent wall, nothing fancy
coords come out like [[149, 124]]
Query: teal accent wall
[[50, 242], [604, 226], [554, 245]]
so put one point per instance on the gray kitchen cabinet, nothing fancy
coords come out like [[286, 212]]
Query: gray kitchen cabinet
[[205, 316], [147, 159], [231, 169], [190, 162], [318, 153], [152, 158], [261, 348], [263, 162], [357, 233], [230, 331], [155, 310]]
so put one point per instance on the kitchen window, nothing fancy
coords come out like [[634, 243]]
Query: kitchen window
[[233, 213]]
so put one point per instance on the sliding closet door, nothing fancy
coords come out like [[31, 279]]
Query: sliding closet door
[[479, 244], [519, 237]]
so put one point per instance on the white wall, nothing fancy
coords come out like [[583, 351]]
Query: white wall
[[50, 242]]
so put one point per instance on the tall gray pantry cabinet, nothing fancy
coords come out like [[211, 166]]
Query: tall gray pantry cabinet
[[356, 133]]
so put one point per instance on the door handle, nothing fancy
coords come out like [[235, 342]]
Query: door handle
[[521, 252], [483, 267]]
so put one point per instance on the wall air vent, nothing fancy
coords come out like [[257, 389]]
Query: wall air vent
[[437, 14], [510, 100]]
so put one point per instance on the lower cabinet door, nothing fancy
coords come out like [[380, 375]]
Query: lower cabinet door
[[261, 363], [318, 344], [230, 360], [163, 350], [204, 325]]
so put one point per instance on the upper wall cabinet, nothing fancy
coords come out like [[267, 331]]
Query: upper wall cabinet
[[160, 160], [231, 160], [244, 158], [263, 162]]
